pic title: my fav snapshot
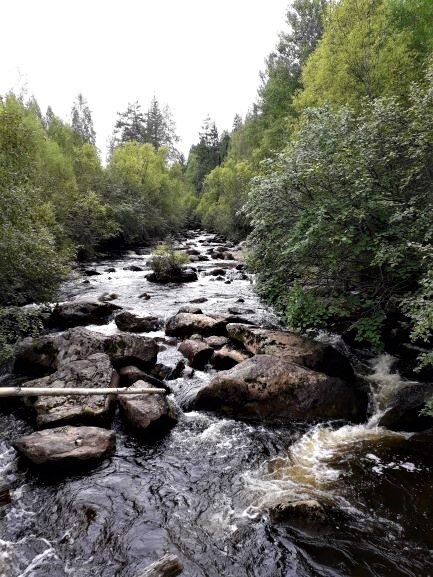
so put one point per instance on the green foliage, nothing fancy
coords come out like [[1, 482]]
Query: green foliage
[[428, 409], [155, 127], [207, 154], [57, 201], [31, 264], [224, 194], [302, 311], [16, 324], [370, 48], [145, 198], [221, 169], [166, 262], [349, 204]]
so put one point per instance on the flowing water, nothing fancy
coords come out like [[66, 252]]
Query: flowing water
[[203, 491]]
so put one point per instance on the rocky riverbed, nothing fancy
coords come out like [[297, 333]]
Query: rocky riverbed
[[263, 458]]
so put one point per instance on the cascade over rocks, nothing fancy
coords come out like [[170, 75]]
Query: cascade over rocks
[[79, 313], [272, 389], [66, 445], [149, 411], [94, 372], [292, 347]]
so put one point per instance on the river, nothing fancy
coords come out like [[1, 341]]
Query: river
[[203, 491]]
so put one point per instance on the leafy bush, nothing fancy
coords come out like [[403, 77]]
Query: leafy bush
[[345, 212], [166, 262], [15, 324]]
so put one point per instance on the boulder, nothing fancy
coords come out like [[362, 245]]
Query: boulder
[[150, 411], [293, 347], [36, 356], [199, 300], [187, 275], [110, 269], [124, 349], [129, 322], [93, 372], [91, 272], [166, 373], [144, 296], [167, 566], [133, 268], [217, 272], [80, 313], [66, 445], [42, 355], [404, 412], [192, 252], [186, 324], [227, 357], [217, 342], [130, 375], [190, 309], [197, 353], [239, 311], [271, 389]]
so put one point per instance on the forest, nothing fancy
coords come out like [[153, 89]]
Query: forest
[[328, 177], [219, 362]]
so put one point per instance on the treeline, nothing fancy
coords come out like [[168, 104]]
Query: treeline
[[58, 202], [332, 170]]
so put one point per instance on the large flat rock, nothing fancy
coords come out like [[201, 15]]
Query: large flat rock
[[72, 445], [273, 389], [41, 355], [94, 372], [292, 347]]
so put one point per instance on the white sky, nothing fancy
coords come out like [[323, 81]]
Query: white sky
[[198, 56]]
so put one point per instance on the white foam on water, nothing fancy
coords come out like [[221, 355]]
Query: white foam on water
[[313, 465]]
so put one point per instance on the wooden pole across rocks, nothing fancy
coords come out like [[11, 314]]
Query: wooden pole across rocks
[[62, 392]]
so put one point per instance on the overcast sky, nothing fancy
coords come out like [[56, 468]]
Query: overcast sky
[[198, 56]]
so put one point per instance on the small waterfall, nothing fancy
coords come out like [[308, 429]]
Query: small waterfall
[[312, 467]]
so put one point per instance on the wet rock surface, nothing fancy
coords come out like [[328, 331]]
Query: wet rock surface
[[130, 322], [197, 353], [147, 412], [272, 389], [187, 324], [94, 372], [405, 410], [46, 353], [80, 313], [293, 347], [66, 445]]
